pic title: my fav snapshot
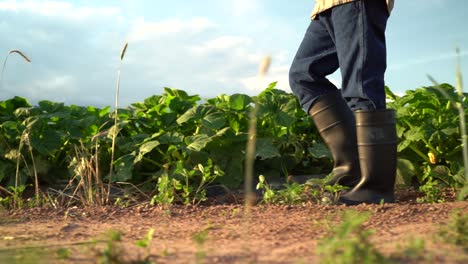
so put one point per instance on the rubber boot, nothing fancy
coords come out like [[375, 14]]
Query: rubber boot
[[377, 146], [336, 124]]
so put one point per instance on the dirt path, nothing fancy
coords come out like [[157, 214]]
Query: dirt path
[[269, 234]]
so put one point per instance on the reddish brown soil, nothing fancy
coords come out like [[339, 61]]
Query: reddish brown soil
[[268, 234]]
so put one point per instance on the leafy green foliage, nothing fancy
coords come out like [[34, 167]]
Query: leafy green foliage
[[173, 141], [430, 148], [315, 190], [177, 144], [293, 193]]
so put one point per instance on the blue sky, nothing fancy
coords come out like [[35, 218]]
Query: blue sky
[[206, 47]]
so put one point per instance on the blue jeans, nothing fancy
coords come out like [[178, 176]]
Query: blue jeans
[[350, 37]]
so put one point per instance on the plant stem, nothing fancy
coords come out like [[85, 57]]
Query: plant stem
[[250, 156], [461, 111], [36, 179], [417, 151], [116, 119]]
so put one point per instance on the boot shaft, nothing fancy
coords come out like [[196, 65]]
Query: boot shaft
[[337, 127], [377, 147]]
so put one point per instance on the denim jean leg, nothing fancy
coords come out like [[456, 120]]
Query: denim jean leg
[[360, 43], [315, 59]]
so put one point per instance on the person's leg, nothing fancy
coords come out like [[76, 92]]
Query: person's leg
[[360, 41], [315, 59]]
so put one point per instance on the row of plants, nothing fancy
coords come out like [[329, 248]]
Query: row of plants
[[174, 146]]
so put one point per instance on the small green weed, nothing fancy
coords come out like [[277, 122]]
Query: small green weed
[[30, 255], [432, 192], [167, 188], [186, 185], [349, 242], [63, 253], [324, 193], [456, 231], [200, 238], [414, 249], [15, 199], [112, 251], [293, 193], [145, 244]]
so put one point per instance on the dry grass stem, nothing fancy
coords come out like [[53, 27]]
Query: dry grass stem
[[264, 66], [26, 58], [20, 53], [122, 53], [249, 196], [251, 142], [250, 158], [36, 177], [116, 120]]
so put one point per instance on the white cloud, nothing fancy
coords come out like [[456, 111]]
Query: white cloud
[[51, 87], [54, 83], [143, 30], [256, 84], [223, 43]]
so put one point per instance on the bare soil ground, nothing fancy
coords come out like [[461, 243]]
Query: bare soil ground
[[268, 234]]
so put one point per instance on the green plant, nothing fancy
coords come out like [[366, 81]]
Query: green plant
[[321, 192], [167, 189], [169, 135], [145, 244], [292, 193], [414, 249], [459, 105], [63, 253], [349, 242], [16, 198], [269, 195], [432, 192], [200, 238], [196, 180], [456, 231], [112, 253], [430, 148]]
